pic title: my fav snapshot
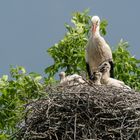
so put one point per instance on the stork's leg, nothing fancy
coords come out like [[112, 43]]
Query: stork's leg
[[112, 69], [91, 75]]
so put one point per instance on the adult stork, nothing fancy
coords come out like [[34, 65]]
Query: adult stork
[[97, 50]]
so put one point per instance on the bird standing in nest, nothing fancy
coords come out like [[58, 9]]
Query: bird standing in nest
[[97, 50]]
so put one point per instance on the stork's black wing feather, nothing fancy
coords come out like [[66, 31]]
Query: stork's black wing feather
[[88, 70], [112, 69]]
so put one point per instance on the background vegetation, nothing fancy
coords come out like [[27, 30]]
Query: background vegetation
[[16, 92], [68, 55]]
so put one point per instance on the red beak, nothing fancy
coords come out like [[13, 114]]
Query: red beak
[[94, 28]]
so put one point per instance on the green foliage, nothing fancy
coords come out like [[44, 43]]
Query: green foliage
[[103, 26], [3, 137], [69, 53], [14, 94], [127, 67]]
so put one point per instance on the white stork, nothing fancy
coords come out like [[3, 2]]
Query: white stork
[[97, 50], [70, 79], [107, 80]]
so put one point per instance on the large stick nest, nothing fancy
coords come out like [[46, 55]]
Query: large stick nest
[[83, 112]]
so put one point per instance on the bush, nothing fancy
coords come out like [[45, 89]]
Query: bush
[[127, 67], [15, 93]]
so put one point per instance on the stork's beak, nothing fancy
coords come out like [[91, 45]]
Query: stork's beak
[[94, 26]]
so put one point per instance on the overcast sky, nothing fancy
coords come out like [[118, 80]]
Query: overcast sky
[[29, 27]]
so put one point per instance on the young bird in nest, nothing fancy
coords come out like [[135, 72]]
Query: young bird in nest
[[107, 80], [97, 78], [74, 79]]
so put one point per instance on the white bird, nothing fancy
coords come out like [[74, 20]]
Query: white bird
[[107, 80], [70, 79], [97, 50]]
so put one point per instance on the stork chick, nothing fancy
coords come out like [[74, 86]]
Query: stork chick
[[97, 78], [70, 79], [97, 50], [107, 80]]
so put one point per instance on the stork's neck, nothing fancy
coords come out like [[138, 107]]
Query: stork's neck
[[97, 33], [97, 81], [62, 77], [105, 77]]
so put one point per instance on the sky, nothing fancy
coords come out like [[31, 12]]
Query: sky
[[29, 27]]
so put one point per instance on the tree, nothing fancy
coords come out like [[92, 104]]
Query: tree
[[14, 94], [127, 67], [69, 53]]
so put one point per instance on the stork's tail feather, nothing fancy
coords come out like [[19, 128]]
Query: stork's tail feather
[[88, 70], [112, 69]]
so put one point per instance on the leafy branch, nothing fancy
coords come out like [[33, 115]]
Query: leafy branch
[[69, 53]]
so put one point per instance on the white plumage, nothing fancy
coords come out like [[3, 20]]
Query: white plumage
[[70, 79], [107, 80], [97, 50]]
